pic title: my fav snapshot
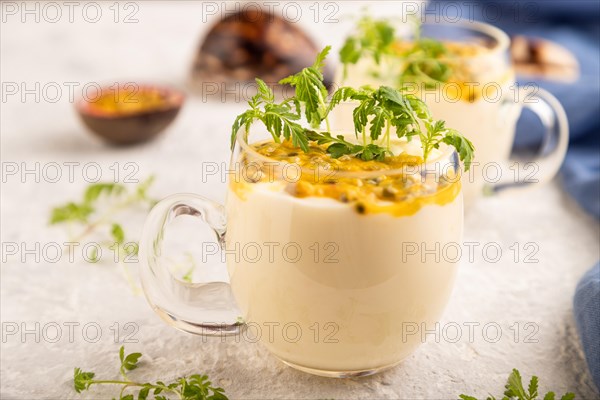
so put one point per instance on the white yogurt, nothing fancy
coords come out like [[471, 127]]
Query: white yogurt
[[348, 305]]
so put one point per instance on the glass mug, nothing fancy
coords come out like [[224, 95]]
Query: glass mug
[[484, 106], [347, 307]]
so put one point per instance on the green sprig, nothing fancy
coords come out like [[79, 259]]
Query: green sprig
[[80, 213], [376, 111], [194, 387], [374, 39], [514, 390], [279, 119], [424, 62], [383, 108], [97, 210]]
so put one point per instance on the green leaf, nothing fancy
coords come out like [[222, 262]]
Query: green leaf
[[463, 146], [281, 121], [350, 53], [514, 385], [320, 60], [337, 150], [341, 95], [374, 39], [361, 114], [378, 122], [425, 63], [372, 152], [549, 396], [432, 47], [264, 96], [218, 395], [144, 392], [130, 362], [465, 397], [117, 233], [533, 387], [264, 91], [366, 154], [71, 212], [142, 189], [568, 396], [243, 120], [82, 380], [310, 89], [94, 191]]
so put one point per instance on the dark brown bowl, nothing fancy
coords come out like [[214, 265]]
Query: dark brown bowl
[[138, 116]]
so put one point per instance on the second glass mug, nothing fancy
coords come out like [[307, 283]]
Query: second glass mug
[[484, 107], [355, 309]]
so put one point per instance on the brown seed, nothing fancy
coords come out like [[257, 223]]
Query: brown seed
[[360, 208], [390, 192]]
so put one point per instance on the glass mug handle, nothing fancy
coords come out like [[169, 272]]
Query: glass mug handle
[[545, 164], [200, 308]]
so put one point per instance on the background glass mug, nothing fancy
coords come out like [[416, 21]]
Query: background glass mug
[[339, 301], [485, 109]]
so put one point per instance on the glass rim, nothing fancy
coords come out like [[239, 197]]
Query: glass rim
[[449, 154], [501, 37]]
